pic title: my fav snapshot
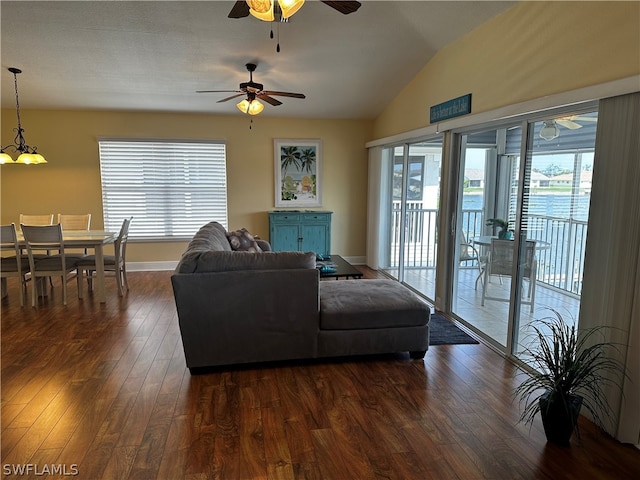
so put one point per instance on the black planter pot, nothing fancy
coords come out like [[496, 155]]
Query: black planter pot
[[559, 418]]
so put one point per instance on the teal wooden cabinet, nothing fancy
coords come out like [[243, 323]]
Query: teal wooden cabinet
[[300, 231]]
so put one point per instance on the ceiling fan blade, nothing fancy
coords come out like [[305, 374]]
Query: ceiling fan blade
[[219, 91], [231, 97], [344, 7], [584, 119], [268, 99], [566, 123], [240, 10], [284, 94]]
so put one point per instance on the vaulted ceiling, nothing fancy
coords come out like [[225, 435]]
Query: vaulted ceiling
[[153, 56]]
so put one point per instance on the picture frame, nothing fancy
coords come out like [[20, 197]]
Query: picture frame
[[297, 172]]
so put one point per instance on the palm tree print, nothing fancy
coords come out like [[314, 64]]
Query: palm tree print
[[300, 185], [289, 156], [307, 159]]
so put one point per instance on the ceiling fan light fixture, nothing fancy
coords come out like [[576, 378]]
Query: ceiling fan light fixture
[[252, 107], [261, 9], [265, 9], [260, 6], [289, 7], [549, 130]]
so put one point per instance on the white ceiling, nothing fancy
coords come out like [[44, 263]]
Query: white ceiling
[[144, 55]]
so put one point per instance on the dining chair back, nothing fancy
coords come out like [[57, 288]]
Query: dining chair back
[[16, 265], [500, 262], [47, 238], [75, 222], [115, 263], [27, 219]]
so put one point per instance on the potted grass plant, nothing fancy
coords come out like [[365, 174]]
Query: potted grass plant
[[571, 370], [504, 232]]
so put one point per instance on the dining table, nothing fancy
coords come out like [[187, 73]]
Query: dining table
[[86, 239]]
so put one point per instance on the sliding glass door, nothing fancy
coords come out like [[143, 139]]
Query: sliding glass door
[[414, 197], [521, 224], [558, 178], [487, 180]]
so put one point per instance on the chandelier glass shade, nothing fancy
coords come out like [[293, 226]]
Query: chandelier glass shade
[[27, 155]]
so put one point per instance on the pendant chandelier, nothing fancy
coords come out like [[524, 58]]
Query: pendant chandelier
[[28, 155]]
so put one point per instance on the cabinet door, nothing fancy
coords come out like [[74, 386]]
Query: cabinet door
[[314, 238], [284, 237]]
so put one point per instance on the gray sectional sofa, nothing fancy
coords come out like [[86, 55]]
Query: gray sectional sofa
[[238, 307]]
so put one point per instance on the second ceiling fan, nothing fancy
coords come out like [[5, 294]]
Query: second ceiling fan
[[253, 92], [270, 10]]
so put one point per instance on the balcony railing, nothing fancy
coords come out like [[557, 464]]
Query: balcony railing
[[560, 266]]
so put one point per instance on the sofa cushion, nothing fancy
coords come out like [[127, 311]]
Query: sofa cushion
[[366, 304], [230, 261], [242, 240]]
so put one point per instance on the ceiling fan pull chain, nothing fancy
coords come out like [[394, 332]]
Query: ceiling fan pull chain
[[278, 45]]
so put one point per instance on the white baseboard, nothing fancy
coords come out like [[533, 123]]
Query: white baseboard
[[151, 266], [358, 260]]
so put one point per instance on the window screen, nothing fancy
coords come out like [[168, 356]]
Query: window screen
[[171, 188]]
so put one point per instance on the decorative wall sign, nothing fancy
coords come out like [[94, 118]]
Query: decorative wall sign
[[297, 166], [450, 109]]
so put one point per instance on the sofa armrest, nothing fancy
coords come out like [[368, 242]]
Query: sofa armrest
[[247, 316]]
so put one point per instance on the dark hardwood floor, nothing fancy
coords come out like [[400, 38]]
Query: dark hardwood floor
[[103, 391]]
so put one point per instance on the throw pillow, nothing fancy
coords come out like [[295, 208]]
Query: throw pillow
[[242, 240]]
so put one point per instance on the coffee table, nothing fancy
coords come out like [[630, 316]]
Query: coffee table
[[342, 269]]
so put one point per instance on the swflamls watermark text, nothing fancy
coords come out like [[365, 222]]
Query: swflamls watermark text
[[39, 469]]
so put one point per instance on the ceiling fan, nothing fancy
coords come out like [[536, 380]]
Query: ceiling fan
[[550, 129], [570, 121], [280, 10], [253, 92], [270, 10]]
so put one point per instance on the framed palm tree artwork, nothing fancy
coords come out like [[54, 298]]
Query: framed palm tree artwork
[[297, 165]]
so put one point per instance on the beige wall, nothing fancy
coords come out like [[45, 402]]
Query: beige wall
[[530, 51], [70, 182]]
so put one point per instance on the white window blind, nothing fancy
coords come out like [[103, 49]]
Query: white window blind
[[171, 188]]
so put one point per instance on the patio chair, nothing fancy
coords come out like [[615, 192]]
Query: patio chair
[[500, 262], [469, 253], [47, 238], [114, 263], [16, 265]]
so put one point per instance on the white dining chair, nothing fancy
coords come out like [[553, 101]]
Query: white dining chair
[[75, 221], [16, 265], [47, 238], [112, 263], [27, 219]]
